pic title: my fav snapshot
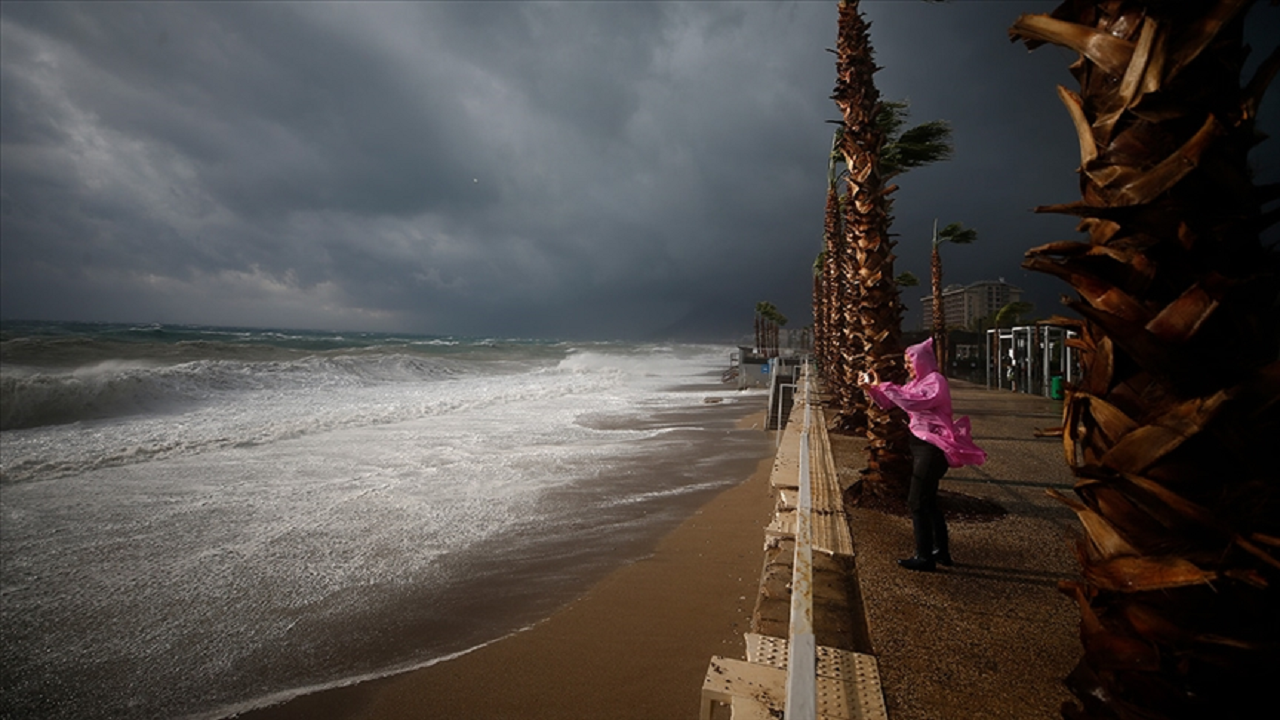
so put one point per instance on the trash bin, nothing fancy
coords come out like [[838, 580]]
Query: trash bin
[[1055, 387]]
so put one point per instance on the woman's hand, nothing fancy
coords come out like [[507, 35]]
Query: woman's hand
[[868, 377]]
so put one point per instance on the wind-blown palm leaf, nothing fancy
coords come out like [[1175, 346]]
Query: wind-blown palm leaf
[[1009, 314], [921, 145], [957, 233]]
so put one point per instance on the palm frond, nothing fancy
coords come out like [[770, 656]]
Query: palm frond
[[957, 233], [921, 145], [835, 158], [891, 116]]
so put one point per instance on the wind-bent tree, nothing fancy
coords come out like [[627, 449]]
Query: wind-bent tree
[[1171, 432], [866, 231], [909, 148], [819, 309], [1011, 313], [903, 149], [768, 322], [843, 341], [957, 234], [779, 321], [759, 326]]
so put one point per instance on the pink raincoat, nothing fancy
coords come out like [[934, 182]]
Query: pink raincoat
[[927, 400]]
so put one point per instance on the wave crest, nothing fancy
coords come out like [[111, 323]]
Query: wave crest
[[116, 388]]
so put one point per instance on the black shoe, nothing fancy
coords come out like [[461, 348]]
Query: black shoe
[[916, 562], [943, 557]]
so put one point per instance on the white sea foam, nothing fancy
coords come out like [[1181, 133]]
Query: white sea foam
[[223, 531]]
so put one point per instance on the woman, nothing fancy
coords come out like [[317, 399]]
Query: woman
[[937, 442]]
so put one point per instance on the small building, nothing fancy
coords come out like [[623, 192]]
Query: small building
[[749, 368]]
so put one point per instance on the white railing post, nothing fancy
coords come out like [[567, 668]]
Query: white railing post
[[802, 696]]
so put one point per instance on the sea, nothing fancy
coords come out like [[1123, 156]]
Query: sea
[[196, 521]]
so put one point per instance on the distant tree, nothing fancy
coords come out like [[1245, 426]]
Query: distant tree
[[759, 327], [779, 321], [1010, 314], [768, 321], [959, 235]]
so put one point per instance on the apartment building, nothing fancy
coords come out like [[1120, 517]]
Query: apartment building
[[964, 305]]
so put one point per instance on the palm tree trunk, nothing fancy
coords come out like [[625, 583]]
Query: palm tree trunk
[[830, 294], [866, 231], [819, 310], [1171, 432], [939, 317], [833, 302]]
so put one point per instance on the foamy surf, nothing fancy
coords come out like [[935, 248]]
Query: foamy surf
[[240, 514]]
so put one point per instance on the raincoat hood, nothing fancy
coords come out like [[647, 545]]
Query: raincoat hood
[[922, 358]]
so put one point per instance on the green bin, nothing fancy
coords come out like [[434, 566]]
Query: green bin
[[1055, 387]]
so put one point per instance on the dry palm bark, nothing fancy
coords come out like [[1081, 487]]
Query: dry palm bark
[[819, 311], [844, 356], [826, 298], [940, 338], [870, 274], [1172, 432]]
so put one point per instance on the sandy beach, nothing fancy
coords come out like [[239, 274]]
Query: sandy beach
[[636, 645]]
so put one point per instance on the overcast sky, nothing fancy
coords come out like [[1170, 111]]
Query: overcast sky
[[570, 170]]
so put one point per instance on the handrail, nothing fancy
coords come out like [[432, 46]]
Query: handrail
[[802, 659]]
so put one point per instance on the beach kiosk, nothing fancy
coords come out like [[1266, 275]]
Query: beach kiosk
[[752, 368]]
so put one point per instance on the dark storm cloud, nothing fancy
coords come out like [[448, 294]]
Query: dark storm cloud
[[604, 169]]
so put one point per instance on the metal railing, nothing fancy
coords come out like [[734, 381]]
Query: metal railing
[[802, 658]]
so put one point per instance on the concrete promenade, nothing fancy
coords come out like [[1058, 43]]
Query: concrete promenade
[[990, 637]]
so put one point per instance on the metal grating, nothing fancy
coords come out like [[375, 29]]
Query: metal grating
[[848, 682]]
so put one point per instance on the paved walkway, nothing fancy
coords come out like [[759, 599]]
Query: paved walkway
[[991, 637]]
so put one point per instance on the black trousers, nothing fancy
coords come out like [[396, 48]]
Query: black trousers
[[928, 465]]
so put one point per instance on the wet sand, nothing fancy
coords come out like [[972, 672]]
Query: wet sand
[[636, 645]]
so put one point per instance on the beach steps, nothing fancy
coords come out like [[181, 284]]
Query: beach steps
[[848, 682]]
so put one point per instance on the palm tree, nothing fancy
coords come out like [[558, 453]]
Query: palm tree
[[843, 361], [959, 235], [1171, 431], [909, 148], [843, 358], [777, 321], [819, 309], [768, 321], [759, 326], [1011, 313], [866, 231]]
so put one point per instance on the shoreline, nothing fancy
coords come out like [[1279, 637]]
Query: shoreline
[[649, 624]]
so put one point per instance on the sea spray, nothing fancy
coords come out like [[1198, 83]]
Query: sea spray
[[198, 519]]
